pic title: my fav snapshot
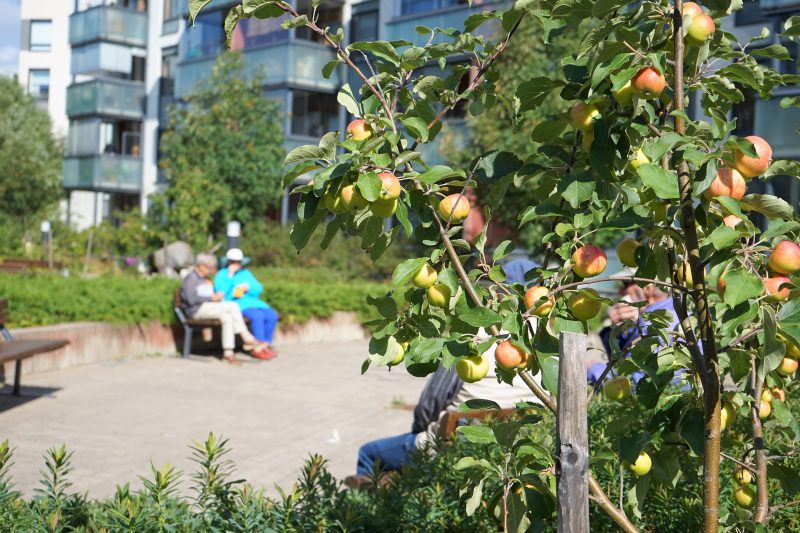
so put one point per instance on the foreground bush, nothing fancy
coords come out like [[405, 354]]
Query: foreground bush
[[432, 494], [42, 299]]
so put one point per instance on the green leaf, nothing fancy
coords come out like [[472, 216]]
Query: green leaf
[[438, 173], [417, 127], [405, 157], [307, 152], [478, 434], [546, 131], [474, 501], [329, 67], [602, 8], [348, 100], [550, 373], [721, 238], [664, 183], [577, 188], [405, 271], [769, 206], [775, 51], [532, 93], [494, 165], [481, 317], [630, 446], [773, 349], [303, 230], [382, 49], [741, 285], [502, 250], [262, 9], [518, 521], [790, 313], [194, 8], [231, 20], [295, 22], [369, 185]]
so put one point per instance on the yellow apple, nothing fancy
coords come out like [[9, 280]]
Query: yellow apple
[[383, 209], [764, 410], [584, 304], [626, 250], [727, 416], [533, 295], [642, 465], [352, 198], [472, 368], [582, 115], [638, 159], [617, 389], [359, 130], [745, 496], [401, 352], [742, 476], [439, 295], [425, 277], [624, 95], [454, 208]]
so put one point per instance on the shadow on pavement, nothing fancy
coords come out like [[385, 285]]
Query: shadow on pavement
[[28, 394]]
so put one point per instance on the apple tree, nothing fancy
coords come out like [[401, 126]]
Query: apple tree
[[625, 156]]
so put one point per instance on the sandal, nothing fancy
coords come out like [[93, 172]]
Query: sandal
[[255, 346], [232, 360]]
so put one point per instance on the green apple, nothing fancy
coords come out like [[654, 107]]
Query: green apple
[[742, 476], [745, 496], [425, 277], [333, 202], [584, 304], [383, 209], [726, 416], [618, 388], [472, 368], [642, 465], [439, 295], [352, 198], [626, 252], [401, 353], [624, 95]]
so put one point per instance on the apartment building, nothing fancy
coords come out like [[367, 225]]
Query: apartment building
[[115, 66]]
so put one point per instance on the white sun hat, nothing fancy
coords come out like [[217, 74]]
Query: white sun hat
[[235, 254]]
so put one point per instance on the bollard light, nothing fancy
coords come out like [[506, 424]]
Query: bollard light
[[234, 232], [44, 230]]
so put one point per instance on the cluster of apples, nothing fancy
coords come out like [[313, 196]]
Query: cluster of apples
[[784, 260], [438, 293], [744, 494], [733, 181]]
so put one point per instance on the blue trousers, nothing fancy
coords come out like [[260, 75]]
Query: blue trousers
[[262, 322], [393, 453]]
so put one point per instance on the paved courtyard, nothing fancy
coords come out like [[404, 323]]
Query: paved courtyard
[[117, 417]]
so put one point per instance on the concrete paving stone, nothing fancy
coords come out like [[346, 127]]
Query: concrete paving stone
[[119, 416]]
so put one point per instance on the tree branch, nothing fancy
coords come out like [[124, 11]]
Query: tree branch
[[762, 506]]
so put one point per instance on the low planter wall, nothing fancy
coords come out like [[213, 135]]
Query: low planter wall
[[92, 342]]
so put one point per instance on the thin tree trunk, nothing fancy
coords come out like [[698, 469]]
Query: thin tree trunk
[[762, 506]]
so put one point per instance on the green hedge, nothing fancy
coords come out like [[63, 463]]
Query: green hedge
[[43, 299]]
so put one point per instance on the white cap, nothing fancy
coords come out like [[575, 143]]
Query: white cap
[[235, 254]]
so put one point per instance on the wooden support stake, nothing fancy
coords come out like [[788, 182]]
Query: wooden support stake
[[572, 443]]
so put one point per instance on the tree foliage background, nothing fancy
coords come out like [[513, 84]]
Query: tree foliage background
[[222, 154], [30, 163]]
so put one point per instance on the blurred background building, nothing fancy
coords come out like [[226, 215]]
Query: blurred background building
[[107, 71]]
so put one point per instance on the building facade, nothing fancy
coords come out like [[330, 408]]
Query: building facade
[[115, 66]]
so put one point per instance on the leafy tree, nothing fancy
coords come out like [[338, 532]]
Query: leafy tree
[[222, 153], [625, 156], [30, 158]]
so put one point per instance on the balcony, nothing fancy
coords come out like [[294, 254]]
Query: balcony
[[404, 27], [771, 6], [293, 62], [779, 127], [105, 173], [107, 98], [108, 23]]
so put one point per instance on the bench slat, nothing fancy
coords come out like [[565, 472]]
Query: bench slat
[[20, 349]]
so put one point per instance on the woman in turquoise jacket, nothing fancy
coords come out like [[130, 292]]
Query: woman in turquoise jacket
[[241, 286]]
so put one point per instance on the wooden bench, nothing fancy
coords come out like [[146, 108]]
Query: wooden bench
[[15, 266], [447, 432], [190, 324], [17, 350]]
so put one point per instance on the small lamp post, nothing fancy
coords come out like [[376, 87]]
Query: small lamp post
[[234, 232], [47, 240]]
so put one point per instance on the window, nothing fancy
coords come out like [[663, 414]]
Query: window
[[41, 35], [330, 18], [313, 113], [750, 14], [133, 5], [364, 27], [171, 9], [206, 39], [251, 33], [169, 59], [410, 7], [39, 83]]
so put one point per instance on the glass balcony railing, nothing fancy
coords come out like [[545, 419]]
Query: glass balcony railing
[[106, 97], [106, 172], [293, 62], [778, 5], [108, 23], [779, 127], [404, 27]]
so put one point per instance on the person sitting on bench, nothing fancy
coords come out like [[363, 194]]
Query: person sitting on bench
[[240, 285], [200, 300]]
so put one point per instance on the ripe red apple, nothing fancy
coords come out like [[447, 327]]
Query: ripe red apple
[[700, 29], [390, 186], [779, 394], [727, 183], [588, 261], [648, 83], [584, 304], [509, 356], [425, 277], [774, 290], [359, 130], [731, 221], [533, 295], [785, 258], [788, 366], [617, 389], [642, 465], [439, 295], [472, 368], [582, 115], [691, 8], [626, 251], [352, 198], [750, 167], [454, 208], [745, 496], [383, 209]]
